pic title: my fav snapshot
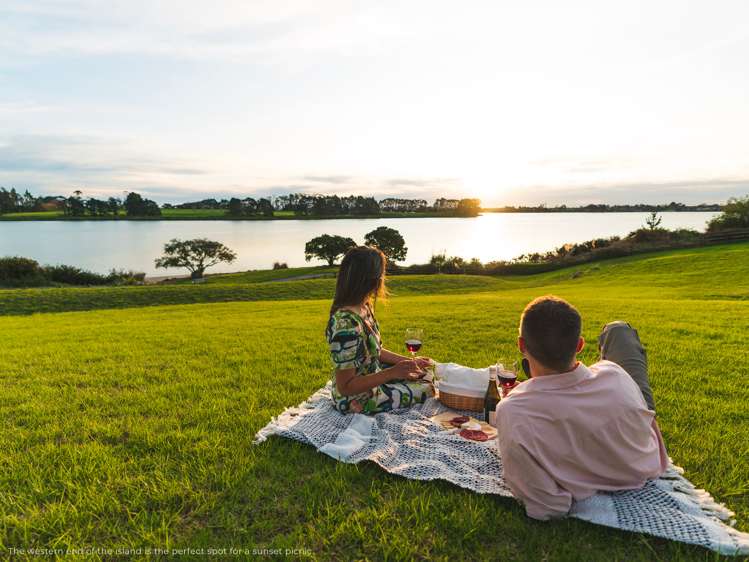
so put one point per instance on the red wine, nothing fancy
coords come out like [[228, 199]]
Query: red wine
[[413, 345], [507, 378]]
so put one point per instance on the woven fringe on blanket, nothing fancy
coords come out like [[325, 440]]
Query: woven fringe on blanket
[[407, 443]]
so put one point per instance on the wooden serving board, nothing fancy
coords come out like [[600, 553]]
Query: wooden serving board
[[444, 418]]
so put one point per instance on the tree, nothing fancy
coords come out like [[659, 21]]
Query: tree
[[74, 206], [469, 207], [735, 215], [235, 207], [97, 207], [653, 221], [265, 207], [438, 261], [9, 200], [136, 206], [327, 247], [195, 255], [389, 241], [113, 205]]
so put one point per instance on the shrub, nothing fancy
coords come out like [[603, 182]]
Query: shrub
[[735, 215], [438, 261], [280, 265], [453, 266], [126, 277], [17, 271], [649, 235], [71, 275], [416, 269], [685, 235], [474, 267]]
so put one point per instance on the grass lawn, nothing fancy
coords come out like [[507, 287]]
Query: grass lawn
[[131, 425], [32, 215], [265, 275]]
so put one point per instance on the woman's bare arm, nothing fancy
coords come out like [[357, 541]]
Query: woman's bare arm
[[387, 356], [348, 383]]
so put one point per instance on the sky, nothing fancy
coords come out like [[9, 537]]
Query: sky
[[513, 102]]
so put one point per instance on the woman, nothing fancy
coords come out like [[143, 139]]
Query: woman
[[360, 384]]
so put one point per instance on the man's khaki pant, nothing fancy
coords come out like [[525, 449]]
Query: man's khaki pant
[[620, 343]]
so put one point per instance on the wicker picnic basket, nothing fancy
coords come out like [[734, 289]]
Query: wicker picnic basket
[[461, 401]]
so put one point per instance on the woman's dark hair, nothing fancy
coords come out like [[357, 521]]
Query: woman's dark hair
[[361, 277]]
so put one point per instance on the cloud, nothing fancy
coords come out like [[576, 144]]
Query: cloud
[[692, 192], [185, 29], [422, 182], [327, 179], [83, 154], [11, 109], [576, 165], [54, 163]]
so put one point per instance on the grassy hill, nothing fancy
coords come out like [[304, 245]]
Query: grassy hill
[[129, 422]]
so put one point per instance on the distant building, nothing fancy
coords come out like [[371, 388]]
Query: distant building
[[55, 203]]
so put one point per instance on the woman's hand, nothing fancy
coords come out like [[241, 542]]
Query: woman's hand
[[425, 362], [408, 369]]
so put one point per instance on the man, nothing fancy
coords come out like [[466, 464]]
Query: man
[[573, 430]]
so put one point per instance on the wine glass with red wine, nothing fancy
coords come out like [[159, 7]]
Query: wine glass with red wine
[[507, 375], [414, 339]]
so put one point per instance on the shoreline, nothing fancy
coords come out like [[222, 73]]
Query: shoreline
[[26, 218]]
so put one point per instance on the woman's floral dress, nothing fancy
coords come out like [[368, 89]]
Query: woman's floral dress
[[355, 344]]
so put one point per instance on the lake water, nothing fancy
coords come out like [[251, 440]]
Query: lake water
[[102, 245]]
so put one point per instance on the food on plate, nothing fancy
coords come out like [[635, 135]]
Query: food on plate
[[474, 435], [458, 421], [471, 426]]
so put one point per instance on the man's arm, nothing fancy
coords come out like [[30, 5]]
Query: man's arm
[[531, 483]]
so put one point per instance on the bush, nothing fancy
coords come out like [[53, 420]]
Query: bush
[[416, 269], [126, 277], [453, 266], [735, 215], [474, 267], [16, 271], [649, 235], [685, 235], [280, 265], [71, 275]]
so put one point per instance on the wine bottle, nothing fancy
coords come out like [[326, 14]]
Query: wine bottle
[[491, 398]]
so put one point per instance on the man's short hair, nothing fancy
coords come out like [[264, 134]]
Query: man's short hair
[[551, 329]]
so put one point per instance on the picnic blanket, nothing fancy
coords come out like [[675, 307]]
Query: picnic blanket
[[406, 442]]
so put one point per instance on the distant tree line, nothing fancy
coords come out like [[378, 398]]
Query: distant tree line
[[12, 201], [603, 208], [304, 205], [355, 205], [134, 205], [249, 207]]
